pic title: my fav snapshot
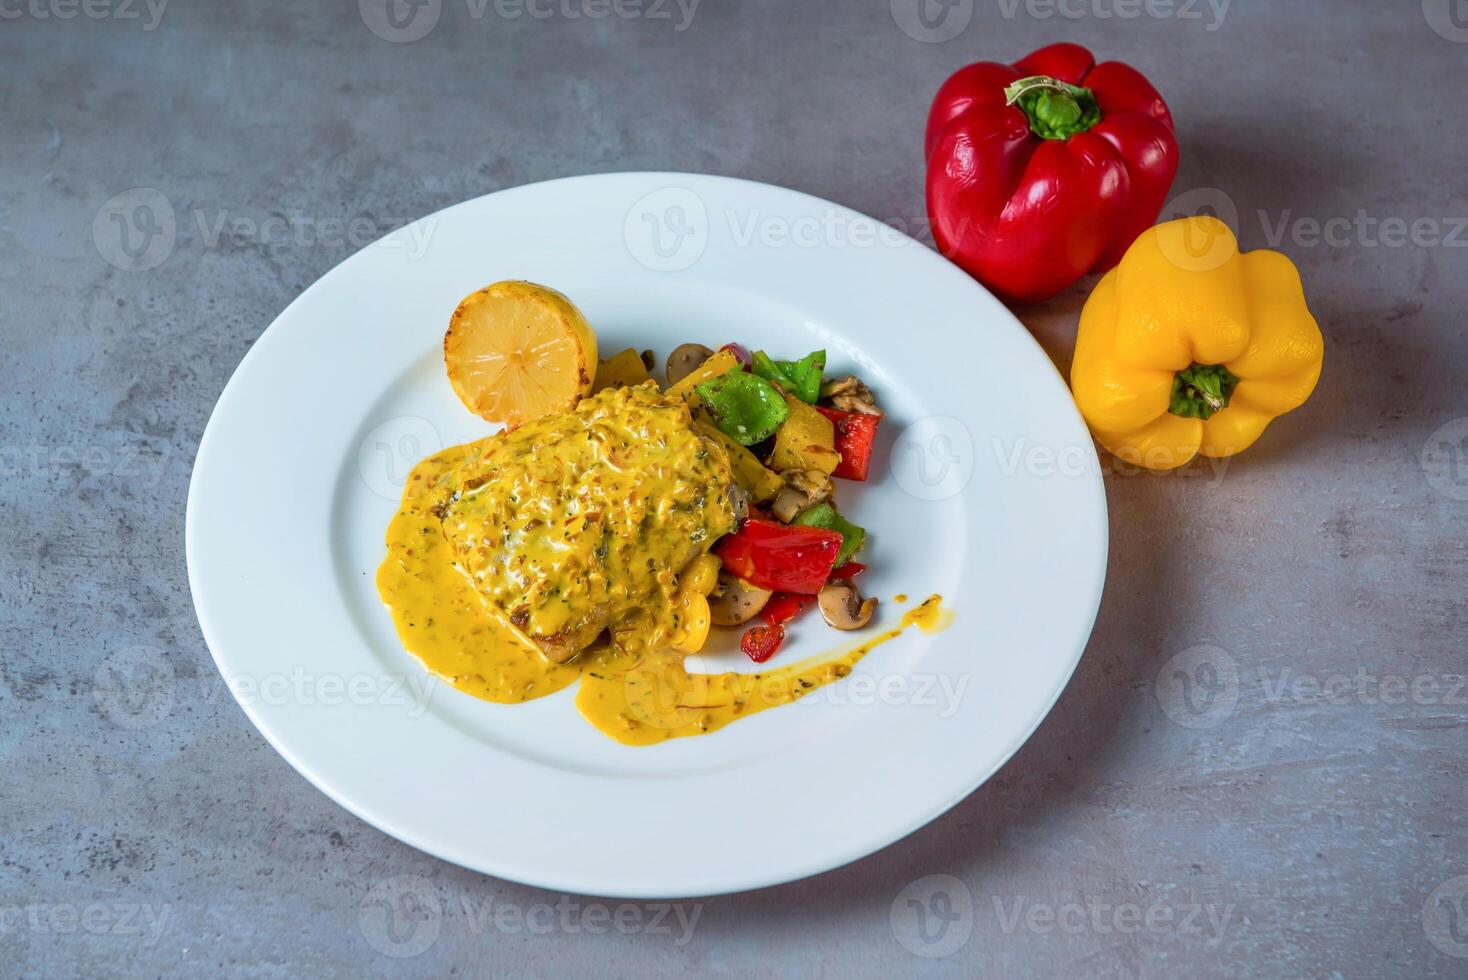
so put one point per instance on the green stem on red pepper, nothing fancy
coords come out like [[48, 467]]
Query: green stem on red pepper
[[1056, 110]]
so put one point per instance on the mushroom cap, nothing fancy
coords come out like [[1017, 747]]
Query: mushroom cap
[[843, 607], [683, 359], [735, 601]]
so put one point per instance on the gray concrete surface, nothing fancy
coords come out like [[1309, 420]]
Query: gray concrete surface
[[1259, 767]]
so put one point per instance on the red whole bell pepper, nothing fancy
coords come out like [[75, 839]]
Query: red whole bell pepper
[[856, 433], [1042, 171], [780, 557]]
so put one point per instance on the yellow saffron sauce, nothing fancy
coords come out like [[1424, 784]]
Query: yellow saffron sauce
[[642, 700], [451, 617], [440, 618]]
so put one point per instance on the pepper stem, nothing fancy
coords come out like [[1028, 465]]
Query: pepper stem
[[1056, 110], [1201, 390]]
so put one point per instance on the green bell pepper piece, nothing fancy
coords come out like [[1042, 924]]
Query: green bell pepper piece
[[746, 408], [824, 515], [760, 364], [801, 378]]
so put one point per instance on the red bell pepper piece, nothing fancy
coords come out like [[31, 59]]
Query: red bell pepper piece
[[855, 434], [849, 570], [785, 606], [1042, 171], [780, 557], [759, 643]]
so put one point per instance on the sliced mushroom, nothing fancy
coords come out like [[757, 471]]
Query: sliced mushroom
[[844, 608], [840, 386], [684, 358], [849, 394], [739, 500], [803, 489], [735, 601]]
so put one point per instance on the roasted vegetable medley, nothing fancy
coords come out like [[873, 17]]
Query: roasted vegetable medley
[[791, 433]]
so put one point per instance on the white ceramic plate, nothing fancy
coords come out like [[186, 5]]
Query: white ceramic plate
[[986, 489]]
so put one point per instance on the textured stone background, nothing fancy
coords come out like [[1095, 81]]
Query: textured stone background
[[1230, 820]]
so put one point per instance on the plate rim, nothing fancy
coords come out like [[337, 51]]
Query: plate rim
[[728, 883]]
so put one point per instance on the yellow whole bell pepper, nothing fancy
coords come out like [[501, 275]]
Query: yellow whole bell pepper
[[1190, 346]]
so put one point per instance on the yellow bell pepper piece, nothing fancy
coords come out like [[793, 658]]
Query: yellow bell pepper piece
[[1190, 346], [806, 440], [753, 477], [721, 363], [622, 370]]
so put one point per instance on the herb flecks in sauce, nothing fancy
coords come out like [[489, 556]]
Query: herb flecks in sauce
[[576, 523]]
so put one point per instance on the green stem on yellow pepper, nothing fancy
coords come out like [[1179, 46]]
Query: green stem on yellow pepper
[[1200, 390]]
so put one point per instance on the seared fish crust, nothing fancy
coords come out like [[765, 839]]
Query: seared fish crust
[[579, 522]]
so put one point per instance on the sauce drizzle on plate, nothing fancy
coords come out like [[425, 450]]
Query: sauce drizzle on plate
[[636, 698]]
